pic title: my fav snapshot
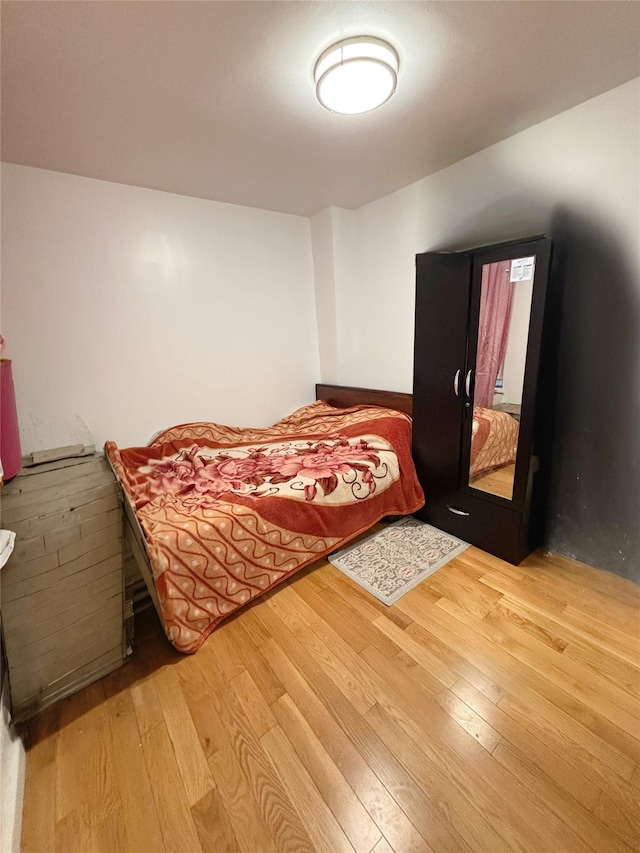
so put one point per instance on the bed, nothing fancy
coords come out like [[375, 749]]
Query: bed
[[218, 515], [494, 441], [494, 437]]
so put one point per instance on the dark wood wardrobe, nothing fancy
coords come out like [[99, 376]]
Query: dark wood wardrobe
[[480, 408]]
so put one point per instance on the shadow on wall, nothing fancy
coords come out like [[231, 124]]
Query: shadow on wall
[[594, 506], [522, 214]]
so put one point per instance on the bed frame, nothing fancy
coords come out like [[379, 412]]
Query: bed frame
[[343, 396], [340, 396], [134, 538]]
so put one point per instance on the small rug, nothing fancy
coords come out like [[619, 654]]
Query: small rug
[[396, 559]]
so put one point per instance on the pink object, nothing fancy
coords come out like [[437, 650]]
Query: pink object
[[10, 452], [493, 330]]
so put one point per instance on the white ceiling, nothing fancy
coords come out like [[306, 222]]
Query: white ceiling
[[216, 99]]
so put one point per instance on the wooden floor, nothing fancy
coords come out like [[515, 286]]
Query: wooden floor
[[497, 482], [492, 708]]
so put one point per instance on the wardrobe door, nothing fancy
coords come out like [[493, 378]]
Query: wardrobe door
[[505, 330], [443, 283]]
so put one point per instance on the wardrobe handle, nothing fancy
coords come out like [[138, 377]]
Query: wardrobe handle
[[467, 383], [456, 510], [456, 379]]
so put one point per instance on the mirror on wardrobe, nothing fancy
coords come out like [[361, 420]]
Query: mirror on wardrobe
[[505, 310]]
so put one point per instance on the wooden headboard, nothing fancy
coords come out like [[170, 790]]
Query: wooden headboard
[[343, 396]]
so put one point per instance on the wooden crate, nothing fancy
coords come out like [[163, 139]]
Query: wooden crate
[[62, 588]]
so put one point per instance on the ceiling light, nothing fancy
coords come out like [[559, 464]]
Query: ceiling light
[[356, 75]]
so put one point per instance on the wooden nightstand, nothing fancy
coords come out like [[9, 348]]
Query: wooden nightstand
[[62, 588]]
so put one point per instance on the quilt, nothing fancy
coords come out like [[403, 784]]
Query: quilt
[[228, 513], [494, 440]]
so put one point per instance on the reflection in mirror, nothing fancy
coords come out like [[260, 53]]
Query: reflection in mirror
[[505, 309]]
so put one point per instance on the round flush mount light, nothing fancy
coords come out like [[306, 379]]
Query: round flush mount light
[[356, 75]]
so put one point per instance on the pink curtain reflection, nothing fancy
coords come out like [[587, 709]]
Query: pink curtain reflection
[[495, 313]]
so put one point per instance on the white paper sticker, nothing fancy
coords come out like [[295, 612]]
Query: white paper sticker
[[522, 269]]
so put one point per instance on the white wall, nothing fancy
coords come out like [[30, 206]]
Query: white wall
[[585, 158], [323, 247], [126, 310], [516, 352]]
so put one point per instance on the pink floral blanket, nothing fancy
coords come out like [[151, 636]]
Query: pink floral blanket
[[228, 513], [494, 440]]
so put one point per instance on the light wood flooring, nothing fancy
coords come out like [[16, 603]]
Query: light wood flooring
[[492, 708], [498, 482]]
